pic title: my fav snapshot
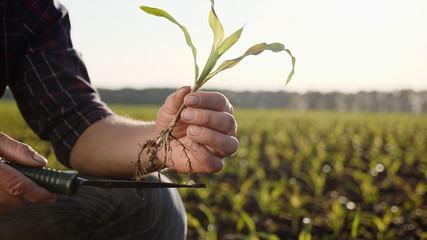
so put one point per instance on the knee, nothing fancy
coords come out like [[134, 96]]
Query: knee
[[170, 210], [168, 197]]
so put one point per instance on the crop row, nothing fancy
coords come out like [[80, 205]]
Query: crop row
[[303, 175]]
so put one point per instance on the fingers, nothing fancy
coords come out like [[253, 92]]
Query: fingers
[[211, 123], [224, 144], [15, 188], [212, 127], [208, 100], [206, 161], [15, 151], [210, 109], [207, 128], [8, 202], [223, 122]]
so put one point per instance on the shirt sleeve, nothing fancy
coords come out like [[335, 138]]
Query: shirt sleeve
[[51, 84]]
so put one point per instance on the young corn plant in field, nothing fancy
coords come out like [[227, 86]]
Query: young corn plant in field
[[219, 47]]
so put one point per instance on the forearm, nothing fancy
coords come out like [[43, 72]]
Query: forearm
[[203, 136], [110, 147]]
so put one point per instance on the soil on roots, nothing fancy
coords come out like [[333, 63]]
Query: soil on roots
[[152, 148]]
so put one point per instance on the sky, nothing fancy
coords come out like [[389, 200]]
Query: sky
[[340, 45]]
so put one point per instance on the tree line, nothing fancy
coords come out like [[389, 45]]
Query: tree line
[[374, 101]]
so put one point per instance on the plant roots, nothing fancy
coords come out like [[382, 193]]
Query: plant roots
[[153, 147]]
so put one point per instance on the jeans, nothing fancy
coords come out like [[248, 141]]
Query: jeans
[[96, 213]]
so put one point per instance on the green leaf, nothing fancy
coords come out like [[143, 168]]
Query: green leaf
[[245, 219], [355, 225], [211, 233], [208, 212], [254, 50], [210, 64], [305, 234], [218, 32], [162, 13], [195, 223], [219, 47], [229, 42], [216, 27], [268, 236]]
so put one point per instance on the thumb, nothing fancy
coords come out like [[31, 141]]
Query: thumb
[[175, 100], [18, 152]]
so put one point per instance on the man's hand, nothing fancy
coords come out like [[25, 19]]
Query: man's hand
[[207, 128], [14, 186], [110, 146]]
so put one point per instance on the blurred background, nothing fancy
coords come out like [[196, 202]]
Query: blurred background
[[340, 45], [338, 153]]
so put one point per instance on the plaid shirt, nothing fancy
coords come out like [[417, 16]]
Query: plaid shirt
[[45, 74]]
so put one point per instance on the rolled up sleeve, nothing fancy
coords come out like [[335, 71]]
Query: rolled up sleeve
[[51, 84]]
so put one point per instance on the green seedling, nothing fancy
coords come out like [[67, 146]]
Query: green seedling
[[219, 47]]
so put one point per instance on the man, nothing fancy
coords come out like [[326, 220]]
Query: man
[[52, 89]]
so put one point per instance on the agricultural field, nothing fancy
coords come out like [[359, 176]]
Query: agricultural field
[[302, 175]]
